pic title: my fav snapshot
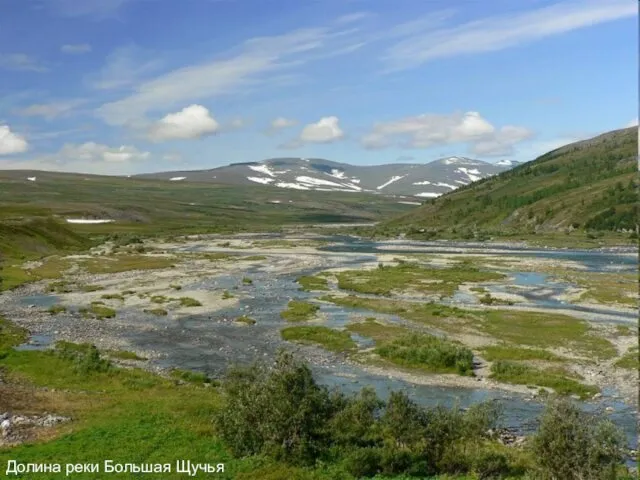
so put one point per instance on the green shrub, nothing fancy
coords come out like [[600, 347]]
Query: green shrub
[[429, 352], [298, 310], [573, 445], [55, 309], [189, 302], [85, 357]]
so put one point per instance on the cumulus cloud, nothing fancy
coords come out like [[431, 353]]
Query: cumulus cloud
[[191, 122], [89, 157], [76, 49], [10, 142], [632, 123], [430, 130], [429, 42], [325, 130]]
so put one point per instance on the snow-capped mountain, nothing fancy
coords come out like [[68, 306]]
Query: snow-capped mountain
[[425, 180]]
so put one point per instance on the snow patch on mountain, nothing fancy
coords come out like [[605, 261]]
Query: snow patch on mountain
[[424, 182], [395, 178], [428, 194], [262, 180], [264, 169], [337, 173], [176, 179], [295, 186], [442, 184], [473, 173]]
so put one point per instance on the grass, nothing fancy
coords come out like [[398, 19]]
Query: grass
[[309, 283], [380, 332], [160, 312], [245, 320], [450, 319], [409, 276], [190, 376], [217, 256], [175, 286], [11, 335], [56, 309], [59, 287], [587, 187], [124, 355], [546, 330], [91, 288], [254, 258], [517, 373], [330, 339], [159, 299], [113, 296], [629, 360], [125, 263], [226, 295], [298, 311], [247, 281], [511, 352], [429, 353], [98, 311], [189, 302]]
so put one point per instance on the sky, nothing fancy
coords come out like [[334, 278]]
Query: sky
[[132, 86]]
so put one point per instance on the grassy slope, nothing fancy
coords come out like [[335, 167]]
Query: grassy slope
[[151, 206], [575, 185]]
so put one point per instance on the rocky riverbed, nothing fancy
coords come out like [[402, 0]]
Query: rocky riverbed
[[255, 276]]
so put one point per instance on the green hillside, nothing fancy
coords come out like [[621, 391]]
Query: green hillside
[[587, 186], [151, 206]]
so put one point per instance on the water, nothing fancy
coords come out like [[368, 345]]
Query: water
[[36, 342], [209, 343], [40, 301]]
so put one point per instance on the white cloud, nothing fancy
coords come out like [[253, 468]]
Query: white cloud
[[20, 62], [124, 66], [49, 110], [280, 123], [255, 63], [325, 130], [191, 122], [496, 33], [632, 123], [10, 142], [430, 130], [76, 49], [88, 157]]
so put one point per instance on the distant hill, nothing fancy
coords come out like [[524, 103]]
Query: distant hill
[[423, 180], [589, 185]]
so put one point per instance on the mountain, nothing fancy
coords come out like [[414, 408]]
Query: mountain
[[590, 185], [428, 180]]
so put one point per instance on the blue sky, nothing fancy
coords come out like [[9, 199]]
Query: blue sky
[[128, 86]]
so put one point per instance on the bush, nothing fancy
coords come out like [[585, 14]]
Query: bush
[[572, 445], [489, 465], [280, 413], [86, 357]]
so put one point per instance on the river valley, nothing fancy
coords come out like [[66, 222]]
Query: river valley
[[255, 277]]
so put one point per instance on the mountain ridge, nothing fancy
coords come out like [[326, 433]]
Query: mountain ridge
[[427, 180]]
